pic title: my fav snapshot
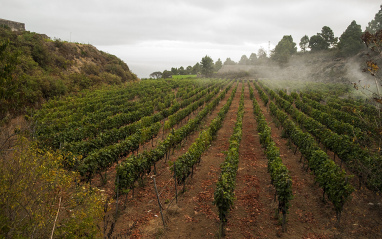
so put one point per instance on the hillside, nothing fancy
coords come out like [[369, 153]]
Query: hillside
[[35, 68]]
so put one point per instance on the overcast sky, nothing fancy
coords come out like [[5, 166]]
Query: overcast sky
[[154, 35]]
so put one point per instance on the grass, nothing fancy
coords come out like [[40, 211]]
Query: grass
[[183, 76]]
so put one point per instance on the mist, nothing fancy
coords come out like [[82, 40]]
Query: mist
[[322, 67]]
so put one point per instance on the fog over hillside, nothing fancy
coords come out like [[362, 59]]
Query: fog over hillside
[[312, 67]]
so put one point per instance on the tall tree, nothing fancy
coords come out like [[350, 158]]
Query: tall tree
[[174, 70], [189, 70], [228, 61], [166, 74], [196, 68], [253, 59], [328, 35], [261, 54], [243, 60], [207, 65], [350, 41], [284, 50], [182, 71], [304, 43], [317, 43], [375, 24], [218, 64]]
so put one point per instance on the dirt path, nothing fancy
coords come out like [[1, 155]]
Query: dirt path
[[197, 217], [252, 210], [139, 216], [309, 216]]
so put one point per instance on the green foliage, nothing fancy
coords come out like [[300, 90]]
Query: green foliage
[[228, 61], [196, 68], [329, 175], [224, 194], [33, 68], [376, 24], [8, 85], [261, 54], [350, 41], [304, 43], [253, 59], [280, 177], [317, 43], [166, 74], [207, 66], [184, 164], [284, 50], [183, 76], [328, 36], [323, 40], [218, 65], [41, 55], [135, 167], [156, 75], [37, 195], [244, 60]]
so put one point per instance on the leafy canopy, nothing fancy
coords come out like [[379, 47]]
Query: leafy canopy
[[350, 41], [207, 65], [375, 24], [284, 49]]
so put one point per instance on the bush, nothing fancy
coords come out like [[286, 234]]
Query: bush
[[51, 86], [37, 195]]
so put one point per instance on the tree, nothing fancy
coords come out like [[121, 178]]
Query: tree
[[189, 70], [243, 60], [323, 40], [196, 68], [207, 65], [228, 61], [350, 41], [174, 71], [376, 24], [304, 43], [317, 43], [181, 71], [218, 65], [328, 35], [156, 75], [284, 50], [166, 74], [252, 59], [40, 199], [262, 54], [9, 82]]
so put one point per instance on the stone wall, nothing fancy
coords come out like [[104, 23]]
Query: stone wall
[[15, 26]]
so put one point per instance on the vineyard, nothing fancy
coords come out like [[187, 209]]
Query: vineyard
[[208, 158]]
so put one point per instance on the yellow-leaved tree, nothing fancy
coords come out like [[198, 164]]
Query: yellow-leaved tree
[[39, 199]]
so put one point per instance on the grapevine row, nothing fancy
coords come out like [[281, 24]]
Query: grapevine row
[[183, 166], [136, 166], [330, 177], [103, 158], [359, 160], [224, 194], [114, 135], [280, 177]]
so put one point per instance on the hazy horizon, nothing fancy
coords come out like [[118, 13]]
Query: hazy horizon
[[154, 36]]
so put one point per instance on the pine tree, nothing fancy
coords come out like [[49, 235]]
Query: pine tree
[[350, 41]]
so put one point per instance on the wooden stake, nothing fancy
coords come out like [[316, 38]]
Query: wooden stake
[[176, 189], [160, 206]]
